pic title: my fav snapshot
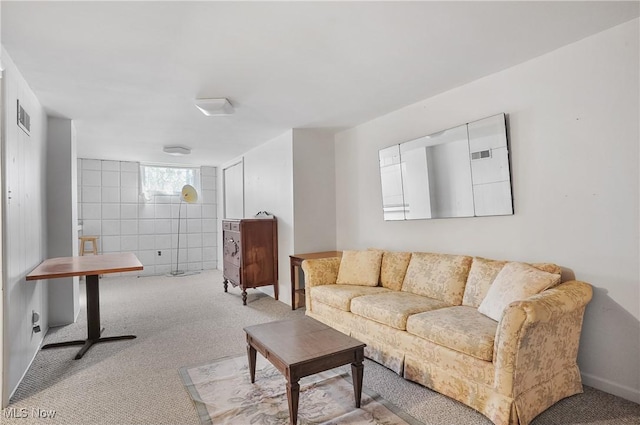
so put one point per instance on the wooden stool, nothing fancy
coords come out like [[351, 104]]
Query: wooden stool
[[94, 244]]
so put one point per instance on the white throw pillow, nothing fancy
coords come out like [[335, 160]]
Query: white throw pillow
[[516, 281]]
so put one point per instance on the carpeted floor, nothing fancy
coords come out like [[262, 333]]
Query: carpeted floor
[[188, 321]]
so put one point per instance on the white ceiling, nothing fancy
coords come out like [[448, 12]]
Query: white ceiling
[[127, 73]]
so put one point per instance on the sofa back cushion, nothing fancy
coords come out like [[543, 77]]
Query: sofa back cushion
[[482, 274], [516, 281], [360, 268], [393, 269], [438, 276]]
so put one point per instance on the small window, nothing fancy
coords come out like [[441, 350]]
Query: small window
[[166, 180]]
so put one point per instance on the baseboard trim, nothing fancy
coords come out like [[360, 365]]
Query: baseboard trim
[[610, 387]]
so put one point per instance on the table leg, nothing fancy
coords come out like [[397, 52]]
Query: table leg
[[293, 396], [93, 322], [93, 307], [251, 353], [293, 284], [357, 369]]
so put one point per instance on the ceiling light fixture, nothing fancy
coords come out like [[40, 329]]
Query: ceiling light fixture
[[215, 107], [177, 150]]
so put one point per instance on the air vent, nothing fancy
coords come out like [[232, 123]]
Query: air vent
[[24, 120], [481, 155]]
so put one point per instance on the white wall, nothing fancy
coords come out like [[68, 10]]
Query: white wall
[[111, 207], [24, 224], [573, 118], [268, 186], [292, 177], [314, 197], [62, 217]]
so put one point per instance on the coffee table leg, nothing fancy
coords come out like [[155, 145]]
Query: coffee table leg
[[293, 396], [357, 369], [251, 353]]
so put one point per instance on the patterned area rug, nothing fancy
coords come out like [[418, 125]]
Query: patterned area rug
[[223, 394]]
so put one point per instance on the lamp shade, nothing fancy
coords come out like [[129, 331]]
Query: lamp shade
[[189, 194]]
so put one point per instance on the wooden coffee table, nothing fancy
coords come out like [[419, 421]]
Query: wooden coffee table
[[302, 347]]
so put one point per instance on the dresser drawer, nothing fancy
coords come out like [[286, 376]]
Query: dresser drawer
[[232, 273], [231, 225], [231, 247]]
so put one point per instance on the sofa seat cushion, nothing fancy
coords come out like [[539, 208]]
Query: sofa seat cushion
[[460, 328], [393, 308], [340, 296]]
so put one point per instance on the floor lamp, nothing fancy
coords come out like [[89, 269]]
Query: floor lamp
[[188, 195]]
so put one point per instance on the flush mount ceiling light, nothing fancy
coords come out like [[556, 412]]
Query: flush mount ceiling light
[[215, 107], [176, 150]]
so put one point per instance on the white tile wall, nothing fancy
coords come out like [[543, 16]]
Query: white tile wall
[[129, 243], [111, 207], [110, 211], [163, 211], [89, 194], [91, 178], [110, 178], [163, 226], [91, 164], [111, 195], [129, 194], [91, 211], [128, 211], [110, 228], [146, 227], [91, 227], [129, 227], [129, 179], [110, 165]]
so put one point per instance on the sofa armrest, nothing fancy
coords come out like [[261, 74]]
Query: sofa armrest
[[321, 271], [537, 339]]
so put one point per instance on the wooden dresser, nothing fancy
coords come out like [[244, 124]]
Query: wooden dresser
[[250, 254]]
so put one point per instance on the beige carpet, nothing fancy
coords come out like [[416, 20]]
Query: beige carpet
[[223, 394], [188, 321]]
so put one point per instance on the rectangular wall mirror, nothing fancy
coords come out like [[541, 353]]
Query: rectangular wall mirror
[[459, 172]]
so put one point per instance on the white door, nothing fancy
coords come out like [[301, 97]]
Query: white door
[[233, 181]]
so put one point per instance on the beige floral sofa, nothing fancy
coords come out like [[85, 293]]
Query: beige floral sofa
[[501, 337]]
